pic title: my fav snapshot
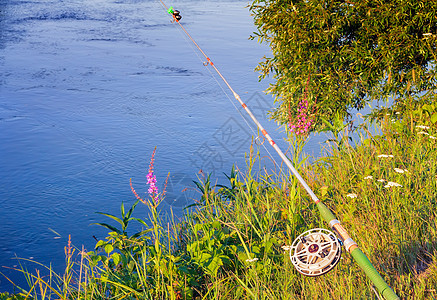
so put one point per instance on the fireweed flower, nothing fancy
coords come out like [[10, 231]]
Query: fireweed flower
[[303, 121], [151, 179]]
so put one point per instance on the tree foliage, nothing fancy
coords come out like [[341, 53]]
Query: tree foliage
[[331, 56]]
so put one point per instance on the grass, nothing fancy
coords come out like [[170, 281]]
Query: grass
[[229, 245]]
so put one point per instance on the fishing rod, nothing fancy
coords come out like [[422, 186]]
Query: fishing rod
[[317, 251]]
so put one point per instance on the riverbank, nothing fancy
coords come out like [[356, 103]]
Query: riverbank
[[231, 244]]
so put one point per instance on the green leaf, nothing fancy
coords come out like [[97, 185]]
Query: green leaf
[[116, 257], [110, 227], [203, 257], [213, 265], [131, 210], [100, 243], [187, 270], [122, 209], [429, 108], [140, 221], [434, 118], [109, 248], [142, 233], [216, 225], [112, 217], [131, 266]]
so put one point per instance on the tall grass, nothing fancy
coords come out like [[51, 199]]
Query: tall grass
[[230, 244]]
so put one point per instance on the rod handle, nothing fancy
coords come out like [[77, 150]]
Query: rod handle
[[365, 264]]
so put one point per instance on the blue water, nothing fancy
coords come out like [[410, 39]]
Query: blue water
[[89, 88]]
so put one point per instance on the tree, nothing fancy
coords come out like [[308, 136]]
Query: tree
[[332, 56]]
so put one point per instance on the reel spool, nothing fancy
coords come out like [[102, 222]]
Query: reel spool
[[315, 252]]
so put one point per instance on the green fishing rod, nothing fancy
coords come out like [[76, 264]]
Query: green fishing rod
[[316, 251]]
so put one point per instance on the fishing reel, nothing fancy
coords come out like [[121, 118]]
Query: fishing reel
[[315, 252]]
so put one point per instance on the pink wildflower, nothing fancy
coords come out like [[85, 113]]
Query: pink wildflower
[[151, 179], [303, 121]]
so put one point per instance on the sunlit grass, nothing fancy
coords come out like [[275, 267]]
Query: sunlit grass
[[232, 243]]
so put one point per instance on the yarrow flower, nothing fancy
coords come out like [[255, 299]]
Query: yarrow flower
[[432, 137], [385, 155], [400, 170], [251, 259], [422, 127], [381, 180], [391, 183], [423, 133], [286, 248], [368, 177], [352, 195]]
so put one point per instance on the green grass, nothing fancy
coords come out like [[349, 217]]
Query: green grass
[[229, 245]]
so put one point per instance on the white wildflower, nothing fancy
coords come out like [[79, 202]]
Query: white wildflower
[[432, 137], [381, 180], [251, 259], [398, 112], [422, 127], [391, 183], [368, 177], [352, 195], [399, 170], [286, 248], [427, 34], [423, 132], [385, 155]]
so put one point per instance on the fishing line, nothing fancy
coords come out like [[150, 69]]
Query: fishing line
[[259, 139], [315, 251]]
